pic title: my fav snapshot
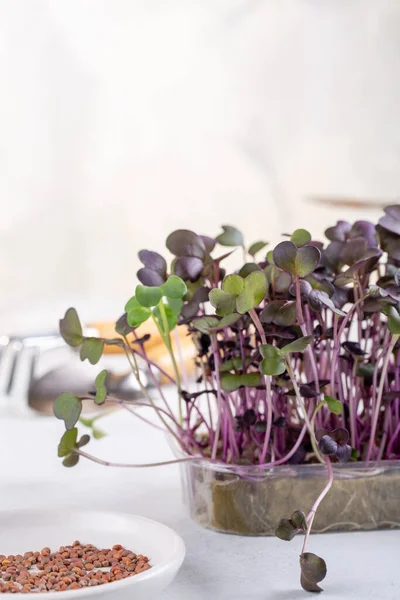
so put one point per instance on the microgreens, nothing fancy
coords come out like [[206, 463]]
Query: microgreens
[[302, 338]]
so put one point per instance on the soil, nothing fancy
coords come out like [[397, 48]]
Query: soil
[[231, 504]]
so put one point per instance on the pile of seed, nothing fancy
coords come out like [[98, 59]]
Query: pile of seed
[[69, 568]]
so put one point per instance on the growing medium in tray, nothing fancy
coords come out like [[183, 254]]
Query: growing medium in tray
[[297, 356]]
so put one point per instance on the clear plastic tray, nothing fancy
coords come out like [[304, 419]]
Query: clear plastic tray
[[252, 500]]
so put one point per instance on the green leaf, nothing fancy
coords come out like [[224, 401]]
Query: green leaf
[[175, 305], [251, 379], [87, 422], [300, 237], [231, 382], [101, 390], [269, 351], [205, 324], [71, 328], [174, 287], [307, 260], [223, 302], [270, 257], [271, 310], [256, 247], [334, 405], [235, 363], [233, 284], [171, 318], [227, 366], [272, 366], [298, 345], [148, 296], [248, 268], [68, 408], [255, 288], [282, 281], [230, 236], [366, 370], [98, 434], [272, 363], [229, 320], [92, 349], [71, 460], [131, 304], [212, 324], [136, 314], [68, 442], [393, 319]]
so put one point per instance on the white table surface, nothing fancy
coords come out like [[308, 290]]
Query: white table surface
[[217, 566]]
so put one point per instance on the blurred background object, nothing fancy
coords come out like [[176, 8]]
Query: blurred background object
[[35, 369], [116, 113]]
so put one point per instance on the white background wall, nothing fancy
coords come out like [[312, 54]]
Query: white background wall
[[121, 120]]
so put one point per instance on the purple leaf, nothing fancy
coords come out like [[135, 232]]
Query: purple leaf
[[340, 435], [354, 250], [331, 256], [354, 348], [209, 243], [149, 277], [366, 230], [312, 567], [319, 434], [339, 232], [183, 242], [393, 211], [328, 446], [305, 288], [154, 261], [285, 257], [343, 453], [188, 268]]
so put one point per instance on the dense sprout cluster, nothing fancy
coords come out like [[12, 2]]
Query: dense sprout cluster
[[297, 355]]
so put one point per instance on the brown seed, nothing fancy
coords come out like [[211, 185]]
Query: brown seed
[[89, 566], [74, 586]]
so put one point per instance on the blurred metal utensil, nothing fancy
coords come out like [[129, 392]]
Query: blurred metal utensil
[[35, 369], [18, 357], [16, 369]]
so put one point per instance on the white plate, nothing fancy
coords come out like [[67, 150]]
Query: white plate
[[23, 531]]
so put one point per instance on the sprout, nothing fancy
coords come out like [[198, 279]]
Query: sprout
[[304, 333]]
